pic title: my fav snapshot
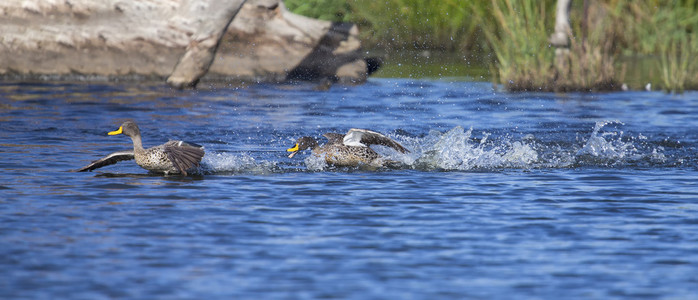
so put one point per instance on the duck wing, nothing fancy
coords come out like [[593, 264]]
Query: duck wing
[[365, 138], [183, 155], [108, 160], [334, 138]]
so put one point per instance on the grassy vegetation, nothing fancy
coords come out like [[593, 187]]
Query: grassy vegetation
[[430, 64], [330, 10], [519, 32], [519, 38], [668, 30], [512, 36], [400, 24], [415, 24]]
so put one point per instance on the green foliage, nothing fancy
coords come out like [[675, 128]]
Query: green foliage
[[399, 24], [592, 59], [518, 33], [415, 24], [667, 30], [330, 10]]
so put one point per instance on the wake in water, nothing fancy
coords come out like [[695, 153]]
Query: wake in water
[[612, 147], [458, 150], [231, 164]]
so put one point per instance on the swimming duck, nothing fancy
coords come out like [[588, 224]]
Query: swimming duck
[[350, 149], [173, 157]]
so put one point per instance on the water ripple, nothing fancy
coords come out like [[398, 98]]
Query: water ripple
[[530, 194]]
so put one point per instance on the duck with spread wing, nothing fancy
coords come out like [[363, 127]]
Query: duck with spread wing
[[349, 150], [173, 157]]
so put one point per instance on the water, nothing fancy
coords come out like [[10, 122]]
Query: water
[[530, 195]]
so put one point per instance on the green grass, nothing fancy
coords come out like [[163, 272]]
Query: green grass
[[670, 32], [518, 35], [330, 10], [399, 24], [414, 24], [431, 64], [593, 52]]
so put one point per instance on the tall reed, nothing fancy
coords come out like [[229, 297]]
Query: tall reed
[[517, 32], [592, 57], [519, 35], [669, 31]]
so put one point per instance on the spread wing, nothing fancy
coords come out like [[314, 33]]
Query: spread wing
[[183, 155], [365, 138], [108, 160]]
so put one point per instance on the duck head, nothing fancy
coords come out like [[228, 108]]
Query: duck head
[[303, 143], [128, 128]]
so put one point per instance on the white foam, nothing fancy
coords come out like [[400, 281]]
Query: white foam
[[610, 146], [456, 150], [606, 144], [315, 162], [461, 150], [217, 163]]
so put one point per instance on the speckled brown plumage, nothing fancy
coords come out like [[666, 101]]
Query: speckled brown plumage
[[350, 149], [173, 157]]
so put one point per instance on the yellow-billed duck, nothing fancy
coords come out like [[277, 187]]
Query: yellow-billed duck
[[173, 157], [350, 149]]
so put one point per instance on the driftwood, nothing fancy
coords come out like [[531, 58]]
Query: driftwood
[[560, 38], [212, 19], [178, 40]]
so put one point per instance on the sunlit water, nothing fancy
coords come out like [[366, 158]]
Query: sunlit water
[[509, 196]]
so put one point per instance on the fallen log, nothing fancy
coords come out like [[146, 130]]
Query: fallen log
[[181, 41]]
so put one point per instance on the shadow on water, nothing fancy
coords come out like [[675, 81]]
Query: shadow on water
[[188, 178]]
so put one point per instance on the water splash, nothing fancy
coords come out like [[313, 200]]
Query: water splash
[[606, 144], [457, 150], [315, 162], [610, 146], [226, 163]]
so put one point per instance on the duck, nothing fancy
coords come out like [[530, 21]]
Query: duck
[[349, 150], [173, 157]]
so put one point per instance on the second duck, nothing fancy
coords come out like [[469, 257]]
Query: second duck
[[350, 149]]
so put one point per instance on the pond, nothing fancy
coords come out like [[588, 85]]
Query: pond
[[537, 195]]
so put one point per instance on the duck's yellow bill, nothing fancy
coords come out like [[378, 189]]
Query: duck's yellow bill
[[118, 131], [294, 150]]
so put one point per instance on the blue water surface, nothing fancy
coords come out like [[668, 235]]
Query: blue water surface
[[502, 195]]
